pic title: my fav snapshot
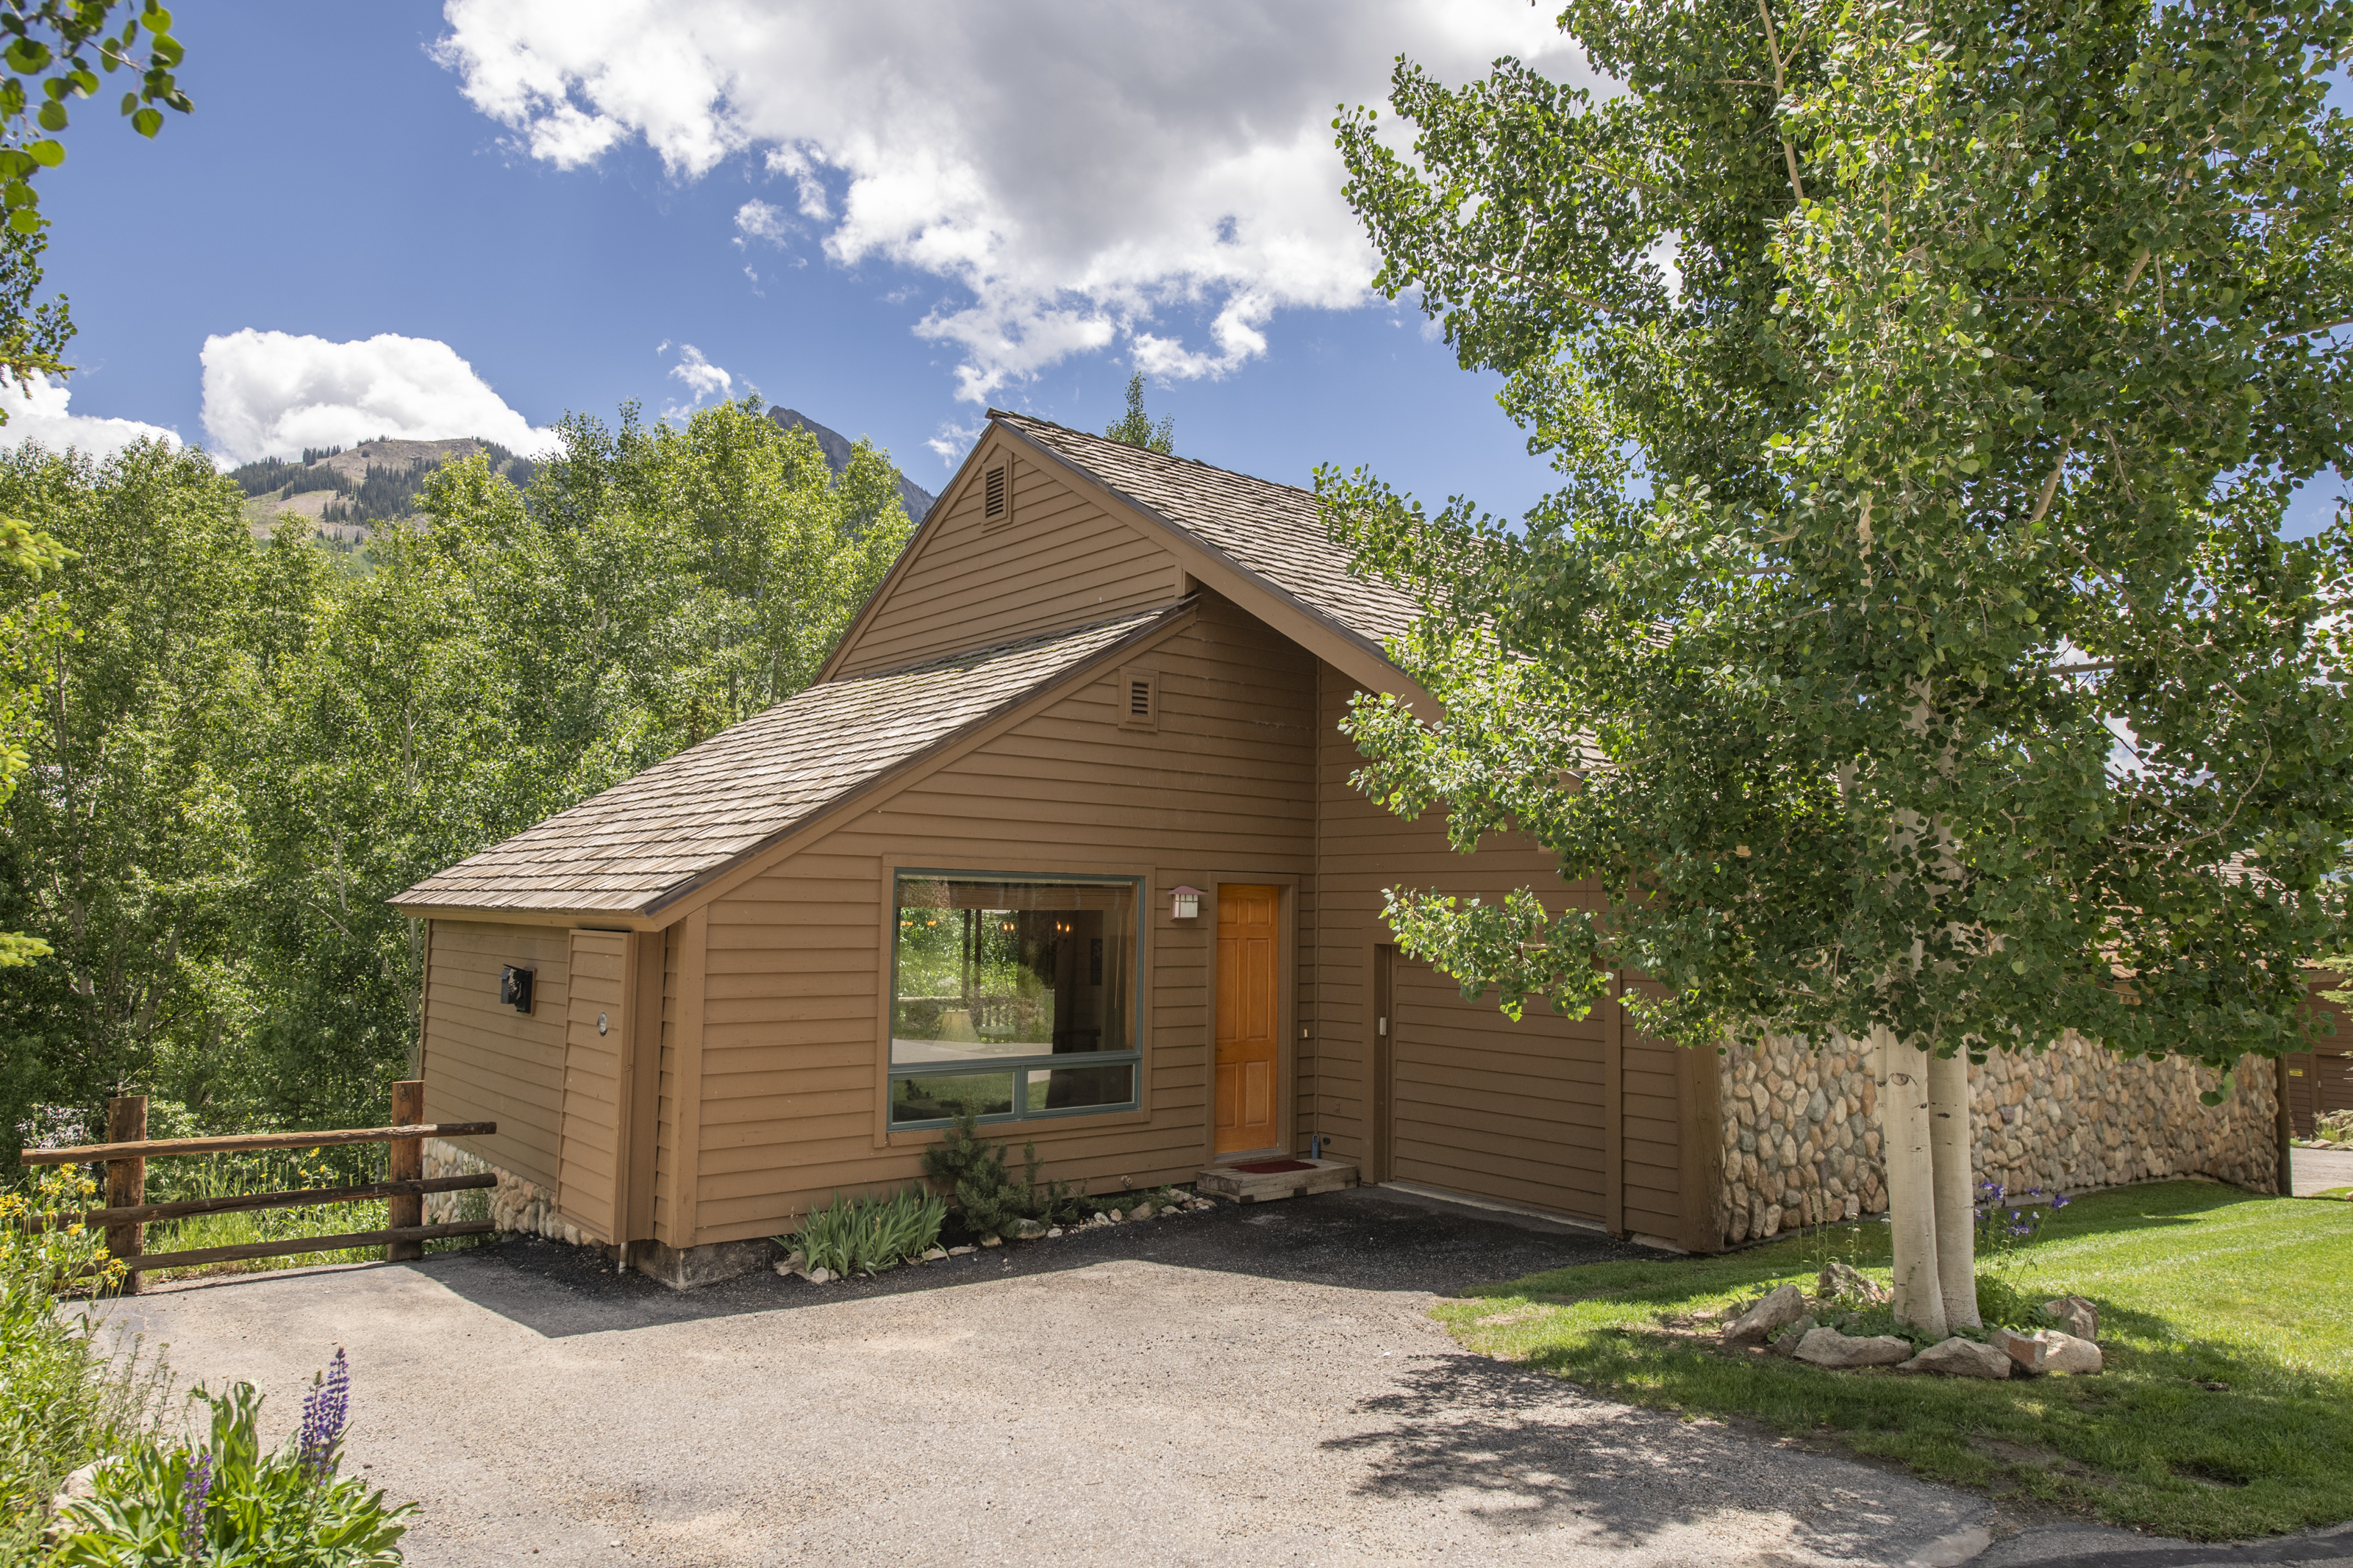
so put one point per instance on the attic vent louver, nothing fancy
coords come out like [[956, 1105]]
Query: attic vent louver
[[1139, 706], [994, 498]]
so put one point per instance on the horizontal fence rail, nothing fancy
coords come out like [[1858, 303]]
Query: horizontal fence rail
[[248, 1142], [126, 1215], [293, 1197], [411, 1233]]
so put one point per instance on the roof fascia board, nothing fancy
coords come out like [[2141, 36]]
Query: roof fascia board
[[1344, 650], [924, 533], [566, 920], [668, 908]]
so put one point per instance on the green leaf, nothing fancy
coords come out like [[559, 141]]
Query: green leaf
[[147, 121], [25, 220], [53, 118], [49, 154], [27, 55]]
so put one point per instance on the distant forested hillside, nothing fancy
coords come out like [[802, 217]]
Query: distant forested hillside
[[374, 483]]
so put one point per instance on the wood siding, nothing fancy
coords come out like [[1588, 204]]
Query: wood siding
[[1518, 1112], [2321, 1079], [1223, 789], [1060, 562], [592, 1081], [486, 1062]]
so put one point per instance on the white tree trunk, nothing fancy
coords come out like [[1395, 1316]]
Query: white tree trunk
[[1948, 1145], [1903, 1123]]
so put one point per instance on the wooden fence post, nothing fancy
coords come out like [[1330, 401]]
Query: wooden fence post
[[407, 1164], [126, 1181]]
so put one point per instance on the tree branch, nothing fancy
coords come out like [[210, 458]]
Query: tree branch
[[1780, 90]]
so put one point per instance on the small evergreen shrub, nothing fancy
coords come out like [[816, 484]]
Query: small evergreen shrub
[[862, 1234], [971, 1171]]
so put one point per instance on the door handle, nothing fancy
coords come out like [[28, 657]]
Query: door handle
[[1383, 1026]]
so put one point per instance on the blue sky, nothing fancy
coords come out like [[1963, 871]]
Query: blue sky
[[862, 213], [336, 182]]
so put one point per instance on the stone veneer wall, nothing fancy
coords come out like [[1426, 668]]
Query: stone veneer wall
[[1801, 1128], [515, 1204]]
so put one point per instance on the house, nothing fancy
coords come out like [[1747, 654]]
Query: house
[[1063, 834]]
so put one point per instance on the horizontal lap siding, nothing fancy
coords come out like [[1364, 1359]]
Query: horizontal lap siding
[[486, 1062], [1482, 1105], [792, 1053], [592, 1080], [1060, 562]]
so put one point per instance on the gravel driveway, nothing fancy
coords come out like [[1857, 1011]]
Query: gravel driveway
[[1257, 1386]]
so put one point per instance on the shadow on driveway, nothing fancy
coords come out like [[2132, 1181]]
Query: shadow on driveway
[[1366, 1239]]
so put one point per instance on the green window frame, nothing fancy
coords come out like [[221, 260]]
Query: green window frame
[[1046, 959]]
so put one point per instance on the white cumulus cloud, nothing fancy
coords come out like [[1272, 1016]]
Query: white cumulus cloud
[[270, 394], [38, 413], [702, 378], [1081, 176]]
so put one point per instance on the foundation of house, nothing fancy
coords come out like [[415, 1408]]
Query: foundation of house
[[686, 1267], [1262, 1180]]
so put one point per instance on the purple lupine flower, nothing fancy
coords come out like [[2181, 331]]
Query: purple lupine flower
[[195, 1488], [324, 1410], [2060, 1200]]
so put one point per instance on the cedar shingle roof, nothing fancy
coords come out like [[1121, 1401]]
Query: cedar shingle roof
[[623, 851], [1272, 531]]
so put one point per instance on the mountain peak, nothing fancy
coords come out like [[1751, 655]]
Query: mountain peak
[[837, 449]]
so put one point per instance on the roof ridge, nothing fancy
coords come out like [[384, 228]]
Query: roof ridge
[[1034, 639], [1170, 456]]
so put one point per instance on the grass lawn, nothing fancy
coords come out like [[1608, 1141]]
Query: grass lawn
[[2198, 1285]]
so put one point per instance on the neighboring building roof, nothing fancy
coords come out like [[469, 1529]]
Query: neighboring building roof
[[1273, 532], [650, 837]]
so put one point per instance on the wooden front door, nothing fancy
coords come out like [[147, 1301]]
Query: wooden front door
[[1249, 963]]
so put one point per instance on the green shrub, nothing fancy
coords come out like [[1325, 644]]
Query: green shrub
[[63, 1401], [229, 1501], [972, 1171], [861, 1234]]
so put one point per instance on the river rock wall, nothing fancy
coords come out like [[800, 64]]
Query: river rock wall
[[1801, 1130], [515, 1204]]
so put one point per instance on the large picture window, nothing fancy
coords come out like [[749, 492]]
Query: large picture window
[[1012, 997]]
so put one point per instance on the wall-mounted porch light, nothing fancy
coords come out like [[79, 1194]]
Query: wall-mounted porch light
[[514, 988], [1185, 903]]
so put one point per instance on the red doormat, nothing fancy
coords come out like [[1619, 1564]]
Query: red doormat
[[1274, 1167]]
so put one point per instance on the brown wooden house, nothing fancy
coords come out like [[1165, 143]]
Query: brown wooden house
[[1064, 834]]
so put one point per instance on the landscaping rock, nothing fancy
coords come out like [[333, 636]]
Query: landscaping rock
[[1827, 1347], [1143, 1211], [933, 1255], [960, 1251], [992, 1241], [1028, 1230], [1844, 1282], [1957, 1357], [1786, 1345], [2047, 1350], [1779, 1309], [2076, 1315], [1053, 1231], [818, 1276]]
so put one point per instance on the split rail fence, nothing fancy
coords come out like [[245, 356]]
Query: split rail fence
[[127, 1215]]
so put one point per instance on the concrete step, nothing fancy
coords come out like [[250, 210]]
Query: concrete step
[[1263, 1186]]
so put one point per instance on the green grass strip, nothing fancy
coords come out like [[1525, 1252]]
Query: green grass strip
[[2198, 1285]]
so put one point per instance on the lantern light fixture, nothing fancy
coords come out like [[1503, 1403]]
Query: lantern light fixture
[[1185, 903]]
